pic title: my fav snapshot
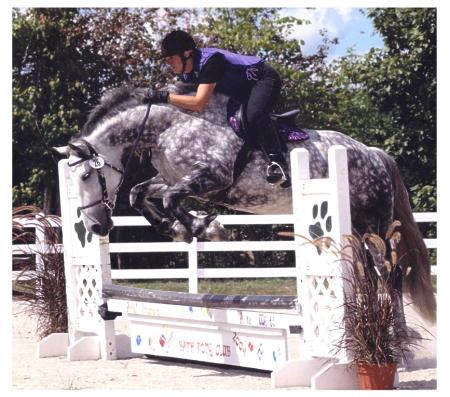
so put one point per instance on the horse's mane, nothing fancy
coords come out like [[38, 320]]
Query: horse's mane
[[119, 99], [111, 103]]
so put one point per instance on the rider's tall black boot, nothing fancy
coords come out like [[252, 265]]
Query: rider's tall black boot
[[277, 171]]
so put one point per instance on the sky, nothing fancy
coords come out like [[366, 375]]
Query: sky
[[349, 25]]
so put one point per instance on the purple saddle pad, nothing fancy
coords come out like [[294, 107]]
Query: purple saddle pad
[[290, 133]]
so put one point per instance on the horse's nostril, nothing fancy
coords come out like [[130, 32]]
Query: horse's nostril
[[96, 228]]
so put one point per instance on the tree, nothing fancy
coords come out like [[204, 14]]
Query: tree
[[401, 80], [351, 109], [387, 98], [63, 60], [42, 99]]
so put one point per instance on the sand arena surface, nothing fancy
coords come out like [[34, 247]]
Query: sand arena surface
[[30, 372]]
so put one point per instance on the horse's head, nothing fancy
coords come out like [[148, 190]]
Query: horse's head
[[97, 181]]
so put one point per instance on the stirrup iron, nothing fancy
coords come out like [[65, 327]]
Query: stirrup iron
[[273, 178]]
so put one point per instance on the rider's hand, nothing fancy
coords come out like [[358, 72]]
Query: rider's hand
[[157, 97]]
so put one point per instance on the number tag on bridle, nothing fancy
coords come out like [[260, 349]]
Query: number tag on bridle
[[96, 162]]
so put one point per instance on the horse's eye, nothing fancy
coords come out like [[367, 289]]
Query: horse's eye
[[85, 176]]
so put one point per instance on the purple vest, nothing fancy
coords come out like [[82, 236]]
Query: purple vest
[[240, 74]]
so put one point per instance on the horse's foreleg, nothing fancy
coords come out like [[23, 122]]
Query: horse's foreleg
[[146, 199], [201, 182]]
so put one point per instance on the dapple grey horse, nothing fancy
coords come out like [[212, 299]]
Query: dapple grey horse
[[195, 155]]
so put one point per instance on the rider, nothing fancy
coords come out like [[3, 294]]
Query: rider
[[246, 79]]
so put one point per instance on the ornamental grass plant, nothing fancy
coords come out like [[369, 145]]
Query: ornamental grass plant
[[42, 285], [374, 326], [374, 329]]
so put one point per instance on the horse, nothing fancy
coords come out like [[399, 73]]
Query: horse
[[196, 155]]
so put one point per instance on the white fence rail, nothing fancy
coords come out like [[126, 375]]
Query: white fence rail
[[193, 273]]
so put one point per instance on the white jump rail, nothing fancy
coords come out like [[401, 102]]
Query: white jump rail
[[192, 272], [296, 344]]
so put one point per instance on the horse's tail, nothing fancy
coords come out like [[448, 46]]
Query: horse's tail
[[412, 250]]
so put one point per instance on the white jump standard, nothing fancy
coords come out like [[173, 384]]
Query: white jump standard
[[291, 336]]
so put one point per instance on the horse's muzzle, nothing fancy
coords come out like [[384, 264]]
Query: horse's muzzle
[[102, 229]]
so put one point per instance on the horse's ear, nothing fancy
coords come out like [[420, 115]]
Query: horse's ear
[[61, 150], [77, 149]]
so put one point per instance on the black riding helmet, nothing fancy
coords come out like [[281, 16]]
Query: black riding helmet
[[176, 42]]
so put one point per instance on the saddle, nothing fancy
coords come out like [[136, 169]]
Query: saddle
[[284, 123]]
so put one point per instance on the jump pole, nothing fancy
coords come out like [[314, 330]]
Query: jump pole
[[291, 336]]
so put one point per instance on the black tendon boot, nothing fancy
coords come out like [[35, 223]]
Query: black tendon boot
[[277, 171]]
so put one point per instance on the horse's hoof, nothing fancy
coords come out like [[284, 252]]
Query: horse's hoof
[[179, 233], [216, 232], [199, 225], [165, 226]]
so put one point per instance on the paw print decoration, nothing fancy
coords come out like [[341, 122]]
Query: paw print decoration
[[322, 222], [82, 234]]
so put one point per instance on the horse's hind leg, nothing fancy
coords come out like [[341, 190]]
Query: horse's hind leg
[[201, 182], [142, 199]]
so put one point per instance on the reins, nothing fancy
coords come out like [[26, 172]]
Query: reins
[[136, 141]]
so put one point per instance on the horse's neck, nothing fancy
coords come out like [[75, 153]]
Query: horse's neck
[[113, 136]]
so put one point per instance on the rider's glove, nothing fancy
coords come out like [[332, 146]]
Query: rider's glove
[[157, 97]]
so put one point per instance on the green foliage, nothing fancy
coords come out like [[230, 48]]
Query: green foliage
[[50, 88], [63, 60], [408, 92], [258, 31], [400, 81]]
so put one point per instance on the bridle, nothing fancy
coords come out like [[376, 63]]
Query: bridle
[[97, 162]]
